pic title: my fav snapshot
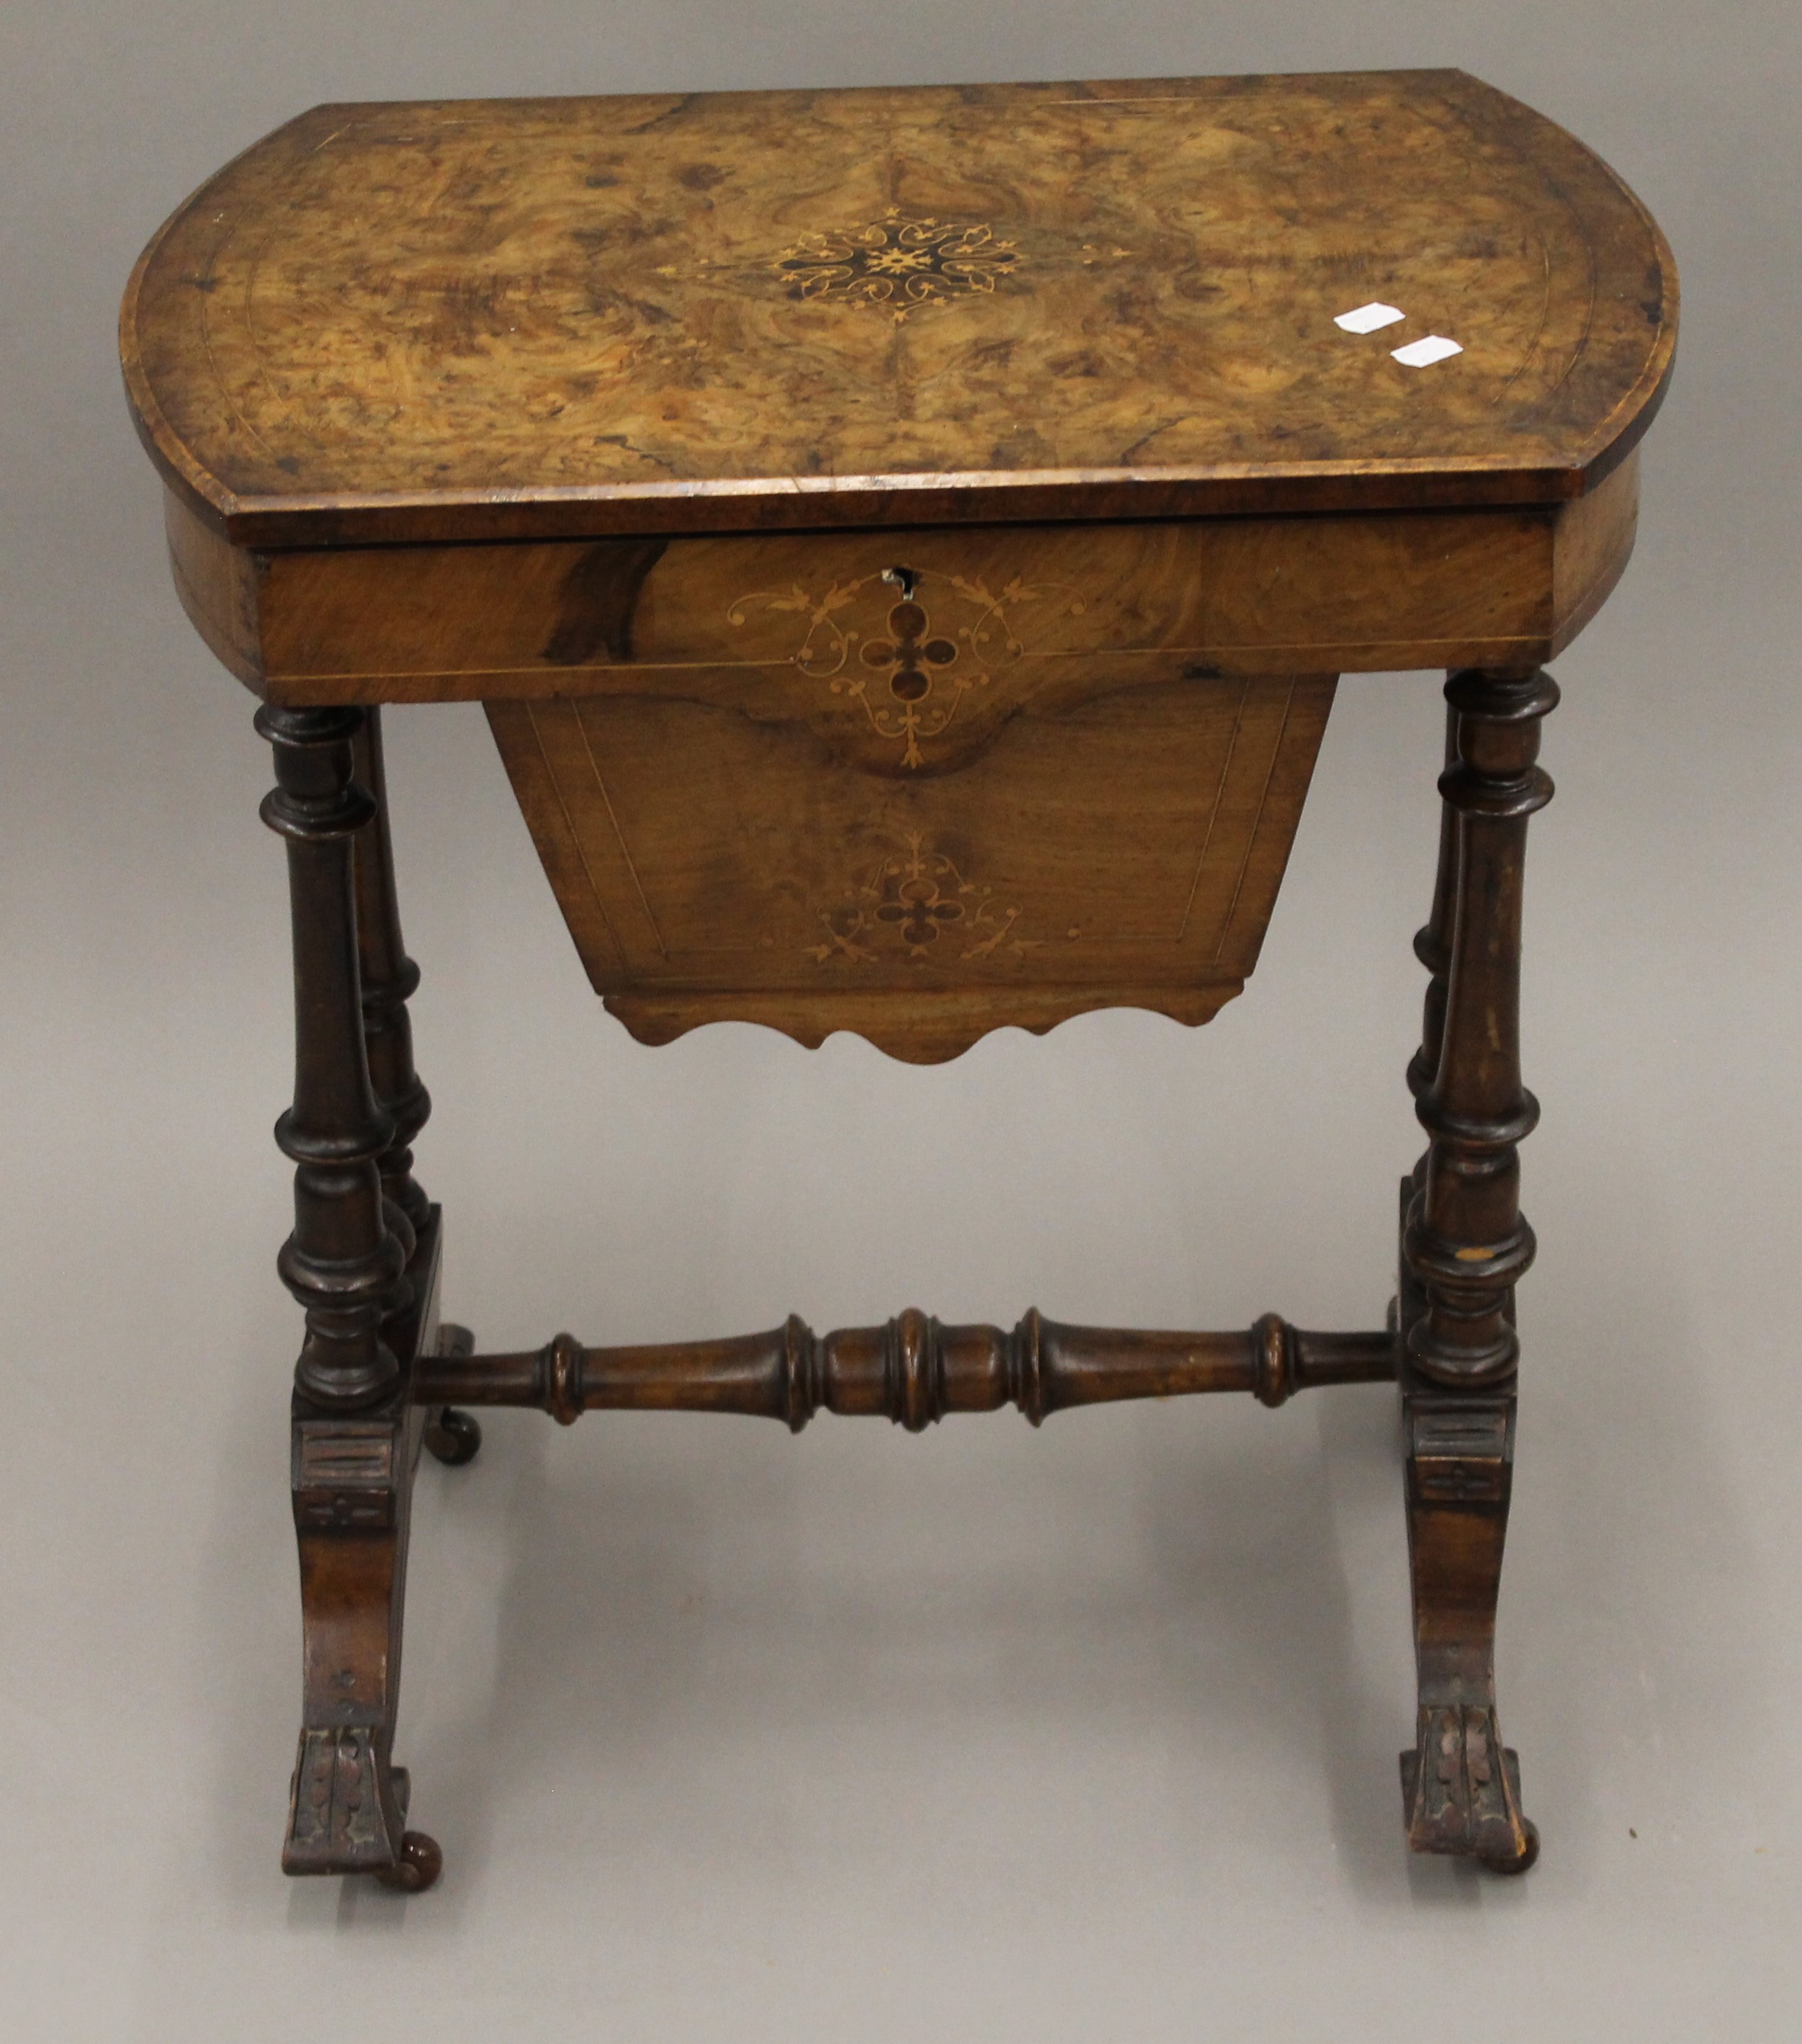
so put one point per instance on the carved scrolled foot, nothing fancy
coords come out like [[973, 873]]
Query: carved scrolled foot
[[346, 1805], [1460, 1791], [417, 1869], [453, 1436]]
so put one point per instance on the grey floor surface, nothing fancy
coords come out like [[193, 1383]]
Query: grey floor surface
[[1089, 1733]]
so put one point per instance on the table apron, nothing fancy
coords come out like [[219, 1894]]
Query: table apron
[[1063, 609]]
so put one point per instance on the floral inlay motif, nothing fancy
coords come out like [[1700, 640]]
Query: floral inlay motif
[[926, 672], [896, 263], [914, 902]]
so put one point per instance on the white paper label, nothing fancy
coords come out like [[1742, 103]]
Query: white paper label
[[1367, 319], [1418, 354]]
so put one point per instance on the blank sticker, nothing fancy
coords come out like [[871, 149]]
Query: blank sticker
[[1418, 354], [1368, 318]]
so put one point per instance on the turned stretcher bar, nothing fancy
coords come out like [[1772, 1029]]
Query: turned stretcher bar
[[913, 1369]]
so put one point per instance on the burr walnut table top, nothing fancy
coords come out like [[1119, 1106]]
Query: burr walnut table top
[[567, 318]]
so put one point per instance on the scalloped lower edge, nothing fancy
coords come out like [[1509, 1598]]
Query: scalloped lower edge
[[917, 1028]]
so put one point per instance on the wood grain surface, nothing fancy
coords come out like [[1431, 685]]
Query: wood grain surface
[[1123, 850], [502, 319], [798, 625]]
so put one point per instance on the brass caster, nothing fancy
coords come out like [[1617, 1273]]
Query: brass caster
[[1520, 1864], [418, 1867], [452, 1436]]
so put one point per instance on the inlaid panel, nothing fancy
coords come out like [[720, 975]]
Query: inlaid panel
[[1120, 848]]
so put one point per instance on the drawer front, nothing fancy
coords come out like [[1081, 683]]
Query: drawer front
[[795, 621], [905, 649]]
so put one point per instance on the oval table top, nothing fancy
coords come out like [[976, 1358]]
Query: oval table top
[[494, 319]]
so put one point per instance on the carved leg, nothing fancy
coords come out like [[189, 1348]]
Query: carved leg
[[355, 1434], [1464, 1245]]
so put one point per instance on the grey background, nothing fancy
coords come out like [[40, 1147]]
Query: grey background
[[1089, 1733]]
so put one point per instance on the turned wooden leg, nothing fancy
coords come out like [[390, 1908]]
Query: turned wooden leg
[[1432, 943], [355, 1433], [1464, 1245], [390, 979], [341, 1262]]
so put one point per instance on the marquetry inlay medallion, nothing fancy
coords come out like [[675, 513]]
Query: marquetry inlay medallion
[[914, 902], [897, 264], [909, 666]]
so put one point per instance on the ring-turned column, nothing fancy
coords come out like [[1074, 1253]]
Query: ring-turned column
[[1466, 1241], [389, 979], [341, 1262]]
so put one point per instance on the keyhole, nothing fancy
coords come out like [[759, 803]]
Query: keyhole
[[906, 580]]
